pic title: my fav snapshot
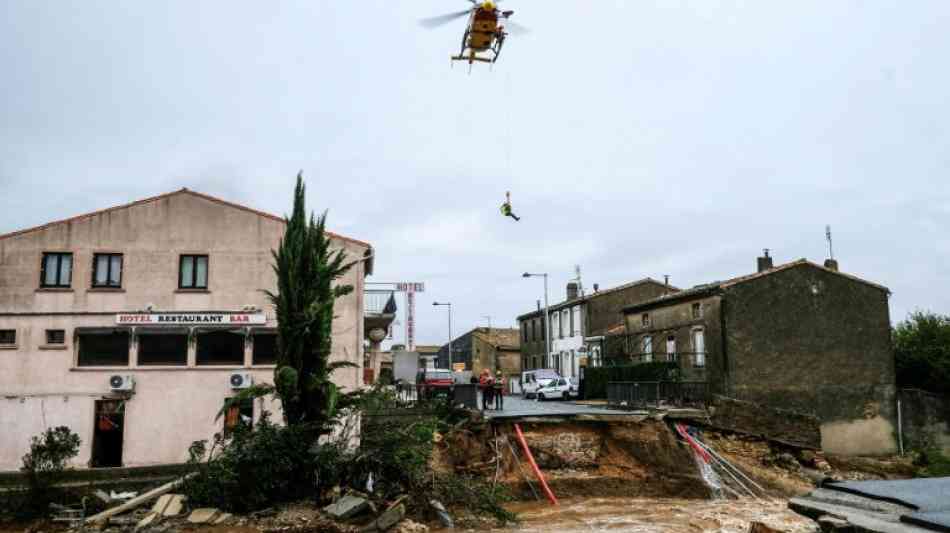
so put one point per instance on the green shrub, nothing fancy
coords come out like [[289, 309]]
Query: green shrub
[[44, 464], [254, 468], [933, 463]]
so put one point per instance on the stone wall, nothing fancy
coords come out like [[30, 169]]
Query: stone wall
[[925, 419], [779, 425]]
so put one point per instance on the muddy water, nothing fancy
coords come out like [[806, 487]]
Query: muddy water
[[658, 515]]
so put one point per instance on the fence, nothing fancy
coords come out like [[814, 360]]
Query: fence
[[594, 379], [642, 394]]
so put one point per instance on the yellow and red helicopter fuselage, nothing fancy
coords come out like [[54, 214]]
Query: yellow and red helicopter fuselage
[[483, 34]]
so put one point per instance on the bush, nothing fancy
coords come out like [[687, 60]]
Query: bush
[[254, 468], [933, 463], [922, 352], [44, 466]]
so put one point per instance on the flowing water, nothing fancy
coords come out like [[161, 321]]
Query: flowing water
[[658, 515]]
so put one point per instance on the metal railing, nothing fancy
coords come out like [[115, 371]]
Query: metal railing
[[379, 302], [686, 359], [656, 394]]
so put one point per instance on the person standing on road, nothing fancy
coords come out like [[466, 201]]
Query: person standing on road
[[499, 391], [485, 383]]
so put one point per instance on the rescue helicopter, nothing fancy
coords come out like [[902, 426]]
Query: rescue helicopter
[[484, 32]]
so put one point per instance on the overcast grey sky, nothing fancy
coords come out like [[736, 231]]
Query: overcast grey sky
[[637, 138]]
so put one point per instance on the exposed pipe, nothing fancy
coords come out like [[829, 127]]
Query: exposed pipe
[[534, 465], [900, 426]]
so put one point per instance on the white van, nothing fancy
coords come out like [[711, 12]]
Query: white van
[[532, 380]]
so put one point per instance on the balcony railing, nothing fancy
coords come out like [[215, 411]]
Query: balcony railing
[[686, 359], [379, 302], [656, 394]]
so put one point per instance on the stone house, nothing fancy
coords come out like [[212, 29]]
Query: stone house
[[480, 348], [797, 336], [580, 323], [133, 324]]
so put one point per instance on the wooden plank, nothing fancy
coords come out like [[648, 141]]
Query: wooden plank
[[138, 500]]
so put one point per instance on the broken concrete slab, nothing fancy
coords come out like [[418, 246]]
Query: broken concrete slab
[[203, 516], [346, 507], [138, 501], [103, 495], [386, 520], [222, 518], [161, 503], [176, 503]]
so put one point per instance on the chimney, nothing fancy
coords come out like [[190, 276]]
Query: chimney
[[539, 304], [764, 262], [572, 290], [596, 287], [831, 264]]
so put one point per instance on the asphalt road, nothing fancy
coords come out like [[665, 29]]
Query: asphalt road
[[518, 406]]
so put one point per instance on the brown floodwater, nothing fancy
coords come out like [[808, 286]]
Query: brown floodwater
[[658, 515]]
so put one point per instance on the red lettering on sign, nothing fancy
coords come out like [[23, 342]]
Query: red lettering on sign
[[240, 318]]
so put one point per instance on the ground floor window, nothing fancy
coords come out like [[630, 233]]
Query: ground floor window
[[239, 415], [265, 349], [163, 348], [103, 348], [220, 348]]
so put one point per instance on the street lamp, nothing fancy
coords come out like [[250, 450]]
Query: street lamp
[[547, 316], [449, 305]]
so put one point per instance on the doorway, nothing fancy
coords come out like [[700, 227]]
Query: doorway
[[109, 426]]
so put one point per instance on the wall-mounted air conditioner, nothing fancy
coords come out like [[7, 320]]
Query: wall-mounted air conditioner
[[119, 382], [241, 380]]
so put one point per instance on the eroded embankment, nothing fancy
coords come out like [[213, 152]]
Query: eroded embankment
[[627, 459]]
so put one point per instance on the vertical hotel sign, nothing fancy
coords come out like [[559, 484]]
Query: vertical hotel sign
[[410, 289], [191, 319]]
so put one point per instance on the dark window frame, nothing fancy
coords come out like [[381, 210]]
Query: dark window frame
[[194, 271], [84, 352], [148, 359], [645, 320], [697, 310], [58, 284], [52, 334], [11, 332], [95, 271]]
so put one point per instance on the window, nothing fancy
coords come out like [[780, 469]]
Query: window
[[55, 336], [671, 348], [221, 348], [697, 310], [7, 337], [565, 323], [239, 415], [193, 272], [163, 347], [265, 349], [524, 332], [104, 348], [534, 332], [576, 321], [647, 349], [107, 270], [56, 270], [645, 319], [699, 346]]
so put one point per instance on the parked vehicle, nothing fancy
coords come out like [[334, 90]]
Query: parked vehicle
[[555, 389], [532, 380], [575, 387], [433, 381]]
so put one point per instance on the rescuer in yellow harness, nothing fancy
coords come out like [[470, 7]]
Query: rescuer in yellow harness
[[506, 207]]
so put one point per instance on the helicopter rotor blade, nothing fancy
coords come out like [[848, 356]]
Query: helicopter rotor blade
[[435, 22], [516, 29]]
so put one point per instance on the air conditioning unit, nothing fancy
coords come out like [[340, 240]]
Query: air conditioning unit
[[120, 382], [241, 381]]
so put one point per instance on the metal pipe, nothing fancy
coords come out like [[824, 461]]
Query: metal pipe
[[534, 465], [900, 427]]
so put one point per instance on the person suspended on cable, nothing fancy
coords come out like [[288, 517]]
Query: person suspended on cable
[[506, 207]]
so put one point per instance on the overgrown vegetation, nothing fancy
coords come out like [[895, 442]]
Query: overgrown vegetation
[[922, 352], [932, 463], [44, 464]]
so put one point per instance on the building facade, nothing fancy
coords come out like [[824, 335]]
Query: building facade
[[132, 325], [481, 348], [579, 324], [799, 336]]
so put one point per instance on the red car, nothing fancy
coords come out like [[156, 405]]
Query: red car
[[431, 381]]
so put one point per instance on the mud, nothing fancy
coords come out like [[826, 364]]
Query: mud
[[658, 515]]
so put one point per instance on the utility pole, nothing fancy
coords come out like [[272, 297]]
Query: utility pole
[[449, 305], [547, 316]]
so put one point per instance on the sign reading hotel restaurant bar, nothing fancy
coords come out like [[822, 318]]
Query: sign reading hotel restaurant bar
[[191, 319]]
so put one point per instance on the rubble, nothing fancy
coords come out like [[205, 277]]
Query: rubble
[[203, 516], [347, 507]]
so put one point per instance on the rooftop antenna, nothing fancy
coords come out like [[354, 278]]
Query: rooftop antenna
[[831, 250]]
